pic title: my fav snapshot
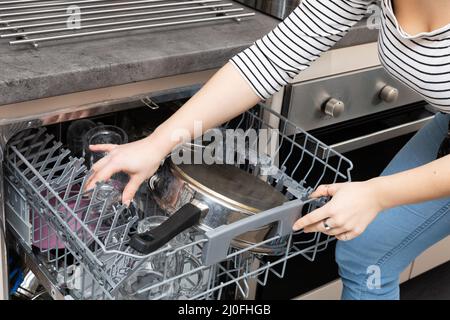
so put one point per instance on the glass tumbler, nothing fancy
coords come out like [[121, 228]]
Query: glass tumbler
[[75, 134], [104, 134], [109, 227], [159, 277]]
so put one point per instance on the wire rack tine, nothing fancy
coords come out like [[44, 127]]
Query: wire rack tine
[[101, 12], [116, 16], [116, 23], [35, 22]]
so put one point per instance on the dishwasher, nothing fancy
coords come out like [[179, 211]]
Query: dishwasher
[[77, 243]]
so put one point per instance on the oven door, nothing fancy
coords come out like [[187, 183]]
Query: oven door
[[370, 143]]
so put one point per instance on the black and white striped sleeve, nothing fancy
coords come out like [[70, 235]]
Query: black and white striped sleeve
[[311, 29]]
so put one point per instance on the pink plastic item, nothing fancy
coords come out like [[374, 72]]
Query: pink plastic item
[[45, 237]]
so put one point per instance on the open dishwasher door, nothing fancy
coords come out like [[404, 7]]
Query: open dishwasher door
[[77, 242]]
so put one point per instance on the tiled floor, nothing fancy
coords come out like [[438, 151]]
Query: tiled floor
[[432, 285]]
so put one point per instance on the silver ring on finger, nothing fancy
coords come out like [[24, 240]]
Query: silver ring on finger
[[326, 225]]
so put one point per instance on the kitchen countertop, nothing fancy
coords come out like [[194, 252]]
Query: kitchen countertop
[[96, 62]]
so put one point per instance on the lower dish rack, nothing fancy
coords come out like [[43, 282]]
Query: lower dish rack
[[81, 237]]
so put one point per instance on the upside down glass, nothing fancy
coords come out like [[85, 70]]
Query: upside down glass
[[75, 136], [156, 277], [104, 134]]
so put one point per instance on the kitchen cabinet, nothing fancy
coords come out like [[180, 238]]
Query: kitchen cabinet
[[333, 290], [434, 256], [429, 259]]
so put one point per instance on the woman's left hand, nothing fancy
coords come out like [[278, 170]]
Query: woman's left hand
[[353, 207]]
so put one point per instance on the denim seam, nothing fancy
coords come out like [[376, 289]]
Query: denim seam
[[414, 234]]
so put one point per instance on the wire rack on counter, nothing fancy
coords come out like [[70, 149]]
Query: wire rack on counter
[[81, 237], [33, 21]]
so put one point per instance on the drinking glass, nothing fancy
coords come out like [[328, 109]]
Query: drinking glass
[[75, 134], [104, 134], [164, 270], [104, 218]]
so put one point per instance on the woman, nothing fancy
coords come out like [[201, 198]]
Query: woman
[[383, 223]]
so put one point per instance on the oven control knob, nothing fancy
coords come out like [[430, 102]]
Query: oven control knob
[[389, 94], [334, 107]]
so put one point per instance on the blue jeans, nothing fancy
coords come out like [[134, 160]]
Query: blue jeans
[[370, 265]]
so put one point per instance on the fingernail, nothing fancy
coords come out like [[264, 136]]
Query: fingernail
[[127, 203], [295, 228]]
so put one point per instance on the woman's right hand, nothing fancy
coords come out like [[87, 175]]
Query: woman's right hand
[[226, 95], [139, 159]]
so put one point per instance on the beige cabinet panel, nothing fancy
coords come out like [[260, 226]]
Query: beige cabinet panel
[[333, 290], [432, 257]]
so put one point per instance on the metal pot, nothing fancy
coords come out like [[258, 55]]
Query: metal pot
[[209, 196]]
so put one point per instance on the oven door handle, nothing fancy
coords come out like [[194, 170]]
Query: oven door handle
[[380, 136]]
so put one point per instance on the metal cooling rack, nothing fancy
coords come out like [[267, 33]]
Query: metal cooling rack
[[33, 22]]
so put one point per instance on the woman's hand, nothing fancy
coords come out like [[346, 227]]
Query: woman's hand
[[139, 160], [226, 95], [353, 207]]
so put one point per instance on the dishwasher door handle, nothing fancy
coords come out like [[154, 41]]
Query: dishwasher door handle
[[216, 249], [380, 136]]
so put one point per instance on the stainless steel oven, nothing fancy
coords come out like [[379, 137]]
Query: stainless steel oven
[[366, 115]]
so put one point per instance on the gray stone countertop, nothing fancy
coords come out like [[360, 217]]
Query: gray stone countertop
[[96, 62]]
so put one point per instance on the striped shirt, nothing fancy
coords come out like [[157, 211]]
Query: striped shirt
[[421, 61]]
